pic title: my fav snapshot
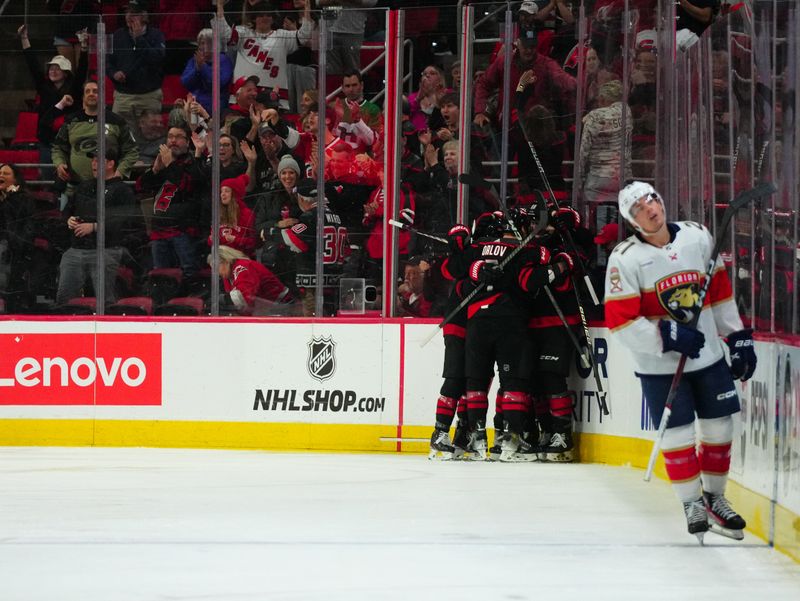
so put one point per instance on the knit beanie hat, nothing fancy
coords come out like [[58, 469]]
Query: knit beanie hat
[[237, 185], [287, 162]]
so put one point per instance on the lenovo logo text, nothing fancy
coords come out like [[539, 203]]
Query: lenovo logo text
[[80, 369]]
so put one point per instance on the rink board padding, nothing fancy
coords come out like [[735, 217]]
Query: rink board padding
[[345, 385]]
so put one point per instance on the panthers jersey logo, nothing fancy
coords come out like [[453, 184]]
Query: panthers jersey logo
[[679, 295]]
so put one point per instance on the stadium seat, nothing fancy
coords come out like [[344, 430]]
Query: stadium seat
[[82, 305], [199, 284], [172, 89], [19, 157], [187, 306], [132, 305], [109, 92], [25, 134], [164, 284]]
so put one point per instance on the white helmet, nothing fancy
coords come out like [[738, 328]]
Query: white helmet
[[630, 195]]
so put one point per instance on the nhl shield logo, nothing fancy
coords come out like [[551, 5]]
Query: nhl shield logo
[[321, 358], [679, 295]]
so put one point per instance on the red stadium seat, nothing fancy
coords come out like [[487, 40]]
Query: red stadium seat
[[19, 157], [82, 305], [172, 89], [25, 133], [132, 305]]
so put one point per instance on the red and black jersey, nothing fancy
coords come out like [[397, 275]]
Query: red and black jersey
[[521, 277], [176, 207], [253, 280], [302, 239], [543, 313]]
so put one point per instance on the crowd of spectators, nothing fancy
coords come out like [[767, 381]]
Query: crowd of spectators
[[158, 163]]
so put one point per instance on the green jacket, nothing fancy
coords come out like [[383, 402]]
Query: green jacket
[[78, 137]]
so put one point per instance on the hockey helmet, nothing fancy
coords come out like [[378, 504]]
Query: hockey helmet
[[488, 225], [630, 195]]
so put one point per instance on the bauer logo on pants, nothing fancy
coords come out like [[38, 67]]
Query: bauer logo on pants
[[80, 369], [321, 358]]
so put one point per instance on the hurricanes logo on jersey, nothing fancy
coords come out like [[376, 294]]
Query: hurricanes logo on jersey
[[679, 294]]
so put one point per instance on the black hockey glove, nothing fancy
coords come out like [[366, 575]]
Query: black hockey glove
[[485, 272], [743, 354], [458, 238], [567, 260], [680, 338]]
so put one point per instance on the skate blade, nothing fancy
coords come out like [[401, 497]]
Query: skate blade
[[564, 457], [477, 456], [519, 458], [700, 536], [459, 454], [727, 532], [435, 455]]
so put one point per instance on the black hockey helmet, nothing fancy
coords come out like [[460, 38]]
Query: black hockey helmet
[[488, 225]]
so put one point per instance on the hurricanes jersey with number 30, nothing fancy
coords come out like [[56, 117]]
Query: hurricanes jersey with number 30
[[645, 283]]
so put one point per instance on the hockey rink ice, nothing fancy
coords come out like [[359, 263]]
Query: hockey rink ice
[[94, 524]]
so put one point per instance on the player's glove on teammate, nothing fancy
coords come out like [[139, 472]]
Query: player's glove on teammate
[[485, 272], [743, 354], [458, 238], [567, 260], [680, 338]]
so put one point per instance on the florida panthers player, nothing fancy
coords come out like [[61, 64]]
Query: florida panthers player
[[652, 287]]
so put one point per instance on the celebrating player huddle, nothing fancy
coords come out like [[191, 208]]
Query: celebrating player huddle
[[660, 302], [503, 266]]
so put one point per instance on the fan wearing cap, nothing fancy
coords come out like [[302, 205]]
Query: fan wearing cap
[[651, 296], [59, 91], [136, 65], [301, 238], [277, 210], [244, 91], [123, 218], [262, 47], [548, 84]]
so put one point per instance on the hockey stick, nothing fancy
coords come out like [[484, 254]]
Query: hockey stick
[[743, 199], [564, 234], [541, 223], [471, 179], [408, 228]]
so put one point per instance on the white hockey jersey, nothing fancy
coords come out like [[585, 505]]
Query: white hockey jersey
[[645, 283], [264, 55]]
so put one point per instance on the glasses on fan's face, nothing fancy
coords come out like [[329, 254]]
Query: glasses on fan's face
[[642, 203]]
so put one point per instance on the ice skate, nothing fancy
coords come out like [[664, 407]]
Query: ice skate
[[441, 448], [516, 450], [696, 518], [478, 445], [559, 449], [722, 519], [496, 449], [460, 441]]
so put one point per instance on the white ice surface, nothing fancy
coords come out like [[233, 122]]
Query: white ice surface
[[98, 524]]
